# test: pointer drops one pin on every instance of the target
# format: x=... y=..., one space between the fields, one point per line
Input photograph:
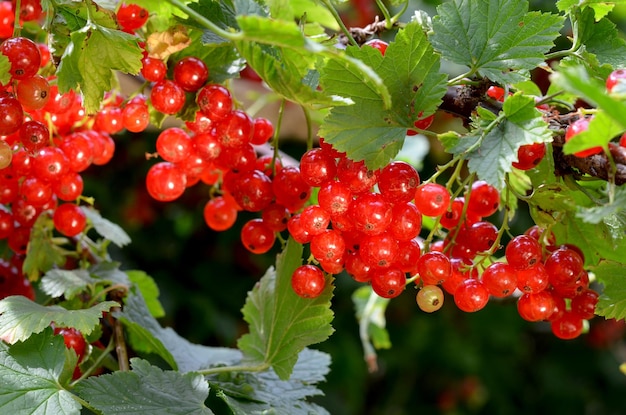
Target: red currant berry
x=533 y=279
x=564 y=266
x=11 y=115
x=136 y=117
x=471 y=295
x=406 y=222
x=173 y=144
x=568 y=326
x=388 y=283
x=484 y=199
x=165 y=181
x=499 y=279
x=308 y=281
x=317 y=167
x=328 y=246
x=529 y=156
x=535 y=306
x=523 y=252
x=378 y=44
x=262 y=132
x=236 y=129
x=356 y=175
x=153 y=69
x=190 y=73
x=335 y=198
x=276 y=217
x=616 y=77
x=33 y=93
x=398 y=181
x=214 y=101
x=219 y=214
x=379 y=251
x=577 y=127
x=24 y=56
x=257 y=237
x=434 y=268
x=69 y=219
x=167 y=97
x=73 y=340
x=584 y=304
x=432 y=199
x=131 y=17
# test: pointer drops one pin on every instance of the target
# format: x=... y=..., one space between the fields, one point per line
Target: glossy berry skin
x=73 y=340
x=577 y=127
x=214 y=101
x=34 y=92
x=529 y=156
x=173 y=144
x=11 y=115
x=429 y=298
x=317 y=167
x=153 y=69
x=616 y=77
x=69 y=219
x=388 y=283
x=263 y=131
x=24 y=56
x=533 y=279
x=190 y=73
x=471 y=295
x=406 y=222
x=236 y=129
x=165 y=181
x=379 y=251
x=584 y=304
x=308 y=281
x=432 y=199
x=50 y=163
x=328 y=246
x=378 y=44
x=564 y=266
x=131 y=17
x=34 y=135
x=398 y=181
x=219 y=214
x=568 y=326
x=167 y=97
x=523 y=252
x=356 y=175
x=335 y=198
x=257 y=237
x=535 y=306
x=484 y=199
x=371 y=213
x=499 y=279
x=434 y=268
x=252 y=190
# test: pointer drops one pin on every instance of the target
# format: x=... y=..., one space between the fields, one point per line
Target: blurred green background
x=489 y=362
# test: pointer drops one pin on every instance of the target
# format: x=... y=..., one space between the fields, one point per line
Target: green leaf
x=146 y=389
x=602 y=129
x=603 y=40
x=498 y=39
x=258 y=393
x=281 y=323
x=106 y=228
x=314 y=12
x=162 y=14
x=68 y=283
x=32 y=375
x=600 y=7
x=522 y=124
x=21 y=317
x=370 y=129
x=149 y=290
x=43 y=251
x=5 y=68
x=576 y=80
x=282 y=56
x=612 y=302
x=92 y=44
x=147 y=336
x=610 y=211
